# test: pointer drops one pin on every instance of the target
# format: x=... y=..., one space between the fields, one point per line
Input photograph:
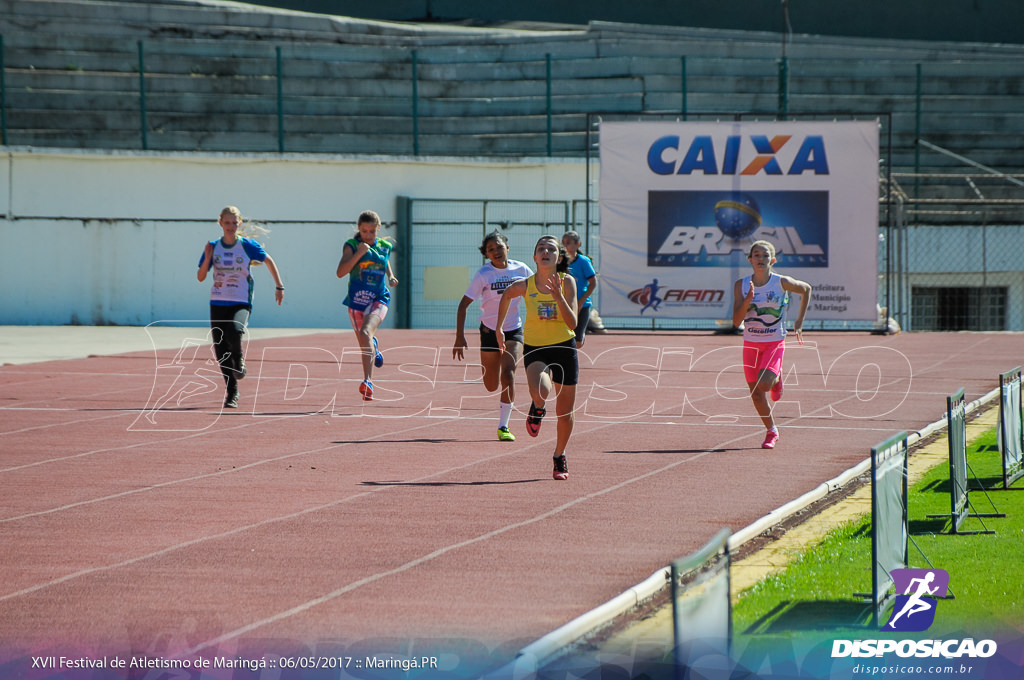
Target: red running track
x=140 y=519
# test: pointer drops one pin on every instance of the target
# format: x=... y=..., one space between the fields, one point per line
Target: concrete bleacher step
x=211 y=81
x=155 y=18
x=160 y=19
x=798 y=46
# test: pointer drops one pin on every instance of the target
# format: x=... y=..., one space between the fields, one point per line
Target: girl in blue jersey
x=759 y=303
x=231 y=295
x=366 y=261
x=582 y=269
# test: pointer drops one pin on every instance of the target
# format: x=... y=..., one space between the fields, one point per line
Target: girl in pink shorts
x=759 y=303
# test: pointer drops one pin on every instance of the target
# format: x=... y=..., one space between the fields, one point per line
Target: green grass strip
x=816 y=591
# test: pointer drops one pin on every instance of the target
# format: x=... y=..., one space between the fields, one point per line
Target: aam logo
x=914 y=610
x=652 y=295
x=665 y=156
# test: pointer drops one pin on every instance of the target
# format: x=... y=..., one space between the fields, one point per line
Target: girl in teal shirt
x=366 y=261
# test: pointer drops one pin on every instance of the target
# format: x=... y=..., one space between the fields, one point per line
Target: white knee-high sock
x=504 y=413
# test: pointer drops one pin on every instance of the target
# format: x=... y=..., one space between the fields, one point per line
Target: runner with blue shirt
x=230 y=257
x=366 y=261
x=582 y=270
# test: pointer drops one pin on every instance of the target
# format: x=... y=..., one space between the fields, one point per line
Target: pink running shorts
x=378 y=308
x=758 y=356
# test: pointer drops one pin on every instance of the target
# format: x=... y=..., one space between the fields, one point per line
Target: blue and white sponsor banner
x=681 y=202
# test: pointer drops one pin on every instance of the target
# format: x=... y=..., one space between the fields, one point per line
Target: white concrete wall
x=114 y=237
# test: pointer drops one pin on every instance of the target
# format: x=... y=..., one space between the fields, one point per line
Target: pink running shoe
x=777 y=389
x=561 y=468
x=533 y=419
x=770 y=439
x=366 y=389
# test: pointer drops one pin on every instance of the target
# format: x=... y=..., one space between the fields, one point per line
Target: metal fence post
x=142 y=96
x=403 y=229
x=415 y=108
x=683 y=87
x=783 y=88
x=917 y=135
x=3 y=94
x=548 y=100
x=280 y=104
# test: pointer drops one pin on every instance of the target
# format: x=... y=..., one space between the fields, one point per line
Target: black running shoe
x=561 y=468
x=533 y=419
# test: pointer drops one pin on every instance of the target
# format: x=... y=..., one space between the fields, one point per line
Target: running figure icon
x=651 y=293
x=916 y=602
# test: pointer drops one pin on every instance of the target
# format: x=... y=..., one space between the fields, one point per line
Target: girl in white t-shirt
x=759 y=303
x=490 y=281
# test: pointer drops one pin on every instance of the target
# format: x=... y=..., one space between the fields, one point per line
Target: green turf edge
x=816 y=592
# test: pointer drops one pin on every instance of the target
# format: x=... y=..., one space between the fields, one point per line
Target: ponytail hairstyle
x=563 y=259
x=246 y=228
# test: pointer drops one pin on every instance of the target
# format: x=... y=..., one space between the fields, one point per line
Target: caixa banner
x=681 y=204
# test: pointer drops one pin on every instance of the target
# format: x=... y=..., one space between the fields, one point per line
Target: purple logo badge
x=914 y=610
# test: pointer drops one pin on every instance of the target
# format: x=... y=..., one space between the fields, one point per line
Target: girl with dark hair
x=549 y=347
x=499 y=366
x=582 y=269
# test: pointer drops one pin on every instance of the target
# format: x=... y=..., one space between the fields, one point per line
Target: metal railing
x=317 y=98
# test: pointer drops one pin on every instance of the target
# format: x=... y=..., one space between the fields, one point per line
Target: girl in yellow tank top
x=549 y=347
x=544 y=325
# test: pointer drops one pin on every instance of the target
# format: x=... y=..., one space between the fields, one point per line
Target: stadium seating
x=351 y=86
